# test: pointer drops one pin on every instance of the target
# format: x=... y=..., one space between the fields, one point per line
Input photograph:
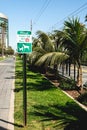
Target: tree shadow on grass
x=40 y=84
x=7 y=122
x=19 y=75
x=69 y=116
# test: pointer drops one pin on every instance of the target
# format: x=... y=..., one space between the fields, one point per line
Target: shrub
x=83 y=98
x=67 y=84
x=85 y=85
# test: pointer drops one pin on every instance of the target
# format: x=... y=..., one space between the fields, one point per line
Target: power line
x=43 y=8
x=80 y=10
x=77 y=11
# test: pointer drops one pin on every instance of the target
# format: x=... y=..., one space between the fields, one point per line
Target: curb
x=81 y=105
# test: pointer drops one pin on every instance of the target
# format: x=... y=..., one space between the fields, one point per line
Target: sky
x=46 y=15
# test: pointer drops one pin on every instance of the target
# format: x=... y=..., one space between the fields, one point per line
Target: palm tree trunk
x=74 y=71
x=79 y=77
x=66 y=68
x=69 y=68
x=63 y=69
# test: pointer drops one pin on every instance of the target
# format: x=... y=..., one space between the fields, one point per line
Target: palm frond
x=52 y=58
x=47 y=42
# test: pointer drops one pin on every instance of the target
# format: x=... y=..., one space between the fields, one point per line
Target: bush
x=85 y=85
x=67 y=84
x=83 y=98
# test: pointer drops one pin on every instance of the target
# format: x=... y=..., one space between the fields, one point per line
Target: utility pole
x=31 y=26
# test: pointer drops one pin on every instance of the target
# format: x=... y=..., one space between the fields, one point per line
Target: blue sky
x=46 y=15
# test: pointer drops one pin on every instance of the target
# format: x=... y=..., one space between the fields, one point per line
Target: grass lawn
x=2 y=58
x=48 y=108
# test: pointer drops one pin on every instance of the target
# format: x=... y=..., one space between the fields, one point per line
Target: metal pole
x=24 y=90
x=31 y=26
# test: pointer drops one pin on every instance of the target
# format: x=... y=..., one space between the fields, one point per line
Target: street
x=84 y=73
x=7 y=76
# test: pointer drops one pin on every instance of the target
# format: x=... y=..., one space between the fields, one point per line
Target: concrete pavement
x=7 y=78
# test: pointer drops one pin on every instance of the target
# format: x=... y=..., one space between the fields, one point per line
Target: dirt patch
x=75 y=93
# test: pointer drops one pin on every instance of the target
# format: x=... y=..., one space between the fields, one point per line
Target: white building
x=4 y=32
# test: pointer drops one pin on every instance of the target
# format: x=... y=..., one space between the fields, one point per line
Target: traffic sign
x=24 y=47
x=24 y=42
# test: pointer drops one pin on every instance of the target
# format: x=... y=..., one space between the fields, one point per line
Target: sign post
x=24 y=46
x=24 y=91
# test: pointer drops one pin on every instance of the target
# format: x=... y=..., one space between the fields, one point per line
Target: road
x=84 y=73
x=7 y=77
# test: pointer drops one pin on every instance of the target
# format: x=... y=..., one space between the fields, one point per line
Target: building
x=4 y=32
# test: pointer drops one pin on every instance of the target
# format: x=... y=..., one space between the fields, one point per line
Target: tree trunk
x=79 y=77
x=74 y=71
x=66 y=68
x=69 y=68
x=63 y=69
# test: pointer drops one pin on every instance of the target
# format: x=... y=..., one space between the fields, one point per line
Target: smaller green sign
x=24 y=32
x=24 y=48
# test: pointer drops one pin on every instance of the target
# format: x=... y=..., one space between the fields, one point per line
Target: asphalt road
x=84 y=73
x=7 y=77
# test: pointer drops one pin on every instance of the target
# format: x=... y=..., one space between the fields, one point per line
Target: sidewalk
x=7 y=78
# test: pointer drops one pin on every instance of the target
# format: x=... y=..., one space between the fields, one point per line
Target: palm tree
x=47 y=52
x=39 y=48
x=76 y=42
x=86 y=18
x=58 y=38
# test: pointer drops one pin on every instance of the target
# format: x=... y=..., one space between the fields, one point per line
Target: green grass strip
x=48 y=108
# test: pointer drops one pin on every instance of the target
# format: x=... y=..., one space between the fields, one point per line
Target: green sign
x=24 y=47
x=24 y=32
x=24 y=42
